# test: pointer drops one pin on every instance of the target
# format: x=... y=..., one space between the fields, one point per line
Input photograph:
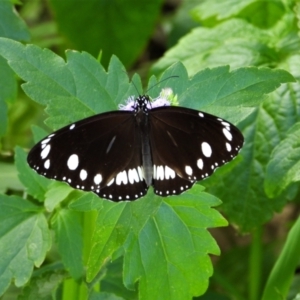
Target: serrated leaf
x=68 y=235
x=107 y=29
x=173 y=237
x=11 y=25
x=24 y=240
x=246 y=202
x=284 y=165
x=35 y=184
x=233 y=42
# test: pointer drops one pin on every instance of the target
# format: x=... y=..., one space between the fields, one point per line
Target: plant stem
x=255 y=264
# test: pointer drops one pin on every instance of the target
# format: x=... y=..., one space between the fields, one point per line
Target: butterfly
x=119 y=154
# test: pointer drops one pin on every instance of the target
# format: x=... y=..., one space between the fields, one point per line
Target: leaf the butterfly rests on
x=119 y=154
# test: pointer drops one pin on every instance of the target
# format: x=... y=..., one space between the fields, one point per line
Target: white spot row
x=163 y=172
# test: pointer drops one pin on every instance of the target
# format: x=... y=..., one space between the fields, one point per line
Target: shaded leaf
x=24 y=240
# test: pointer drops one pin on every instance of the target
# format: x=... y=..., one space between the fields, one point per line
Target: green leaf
x=107 y=32
x=9 y=178
x=24 y=240
x=284 y=165
x=113 y=280
x=68 y=234
x=263 y=14
x=44 y=282
x=63 y=86
x=8 y=92
x=173 y=237
x=85 y=201
x=283 y=272
x=11 y=25
x=58 y=191
x=246 y=203
x=35 y=184
x=234 y=42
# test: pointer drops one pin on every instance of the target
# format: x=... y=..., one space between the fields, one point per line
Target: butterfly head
x=142 y=103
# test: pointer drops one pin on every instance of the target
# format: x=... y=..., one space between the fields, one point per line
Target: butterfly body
x=119 y=154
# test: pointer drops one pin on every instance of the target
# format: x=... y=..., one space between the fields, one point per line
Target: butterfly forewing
x=100 y=154
x=187 y=146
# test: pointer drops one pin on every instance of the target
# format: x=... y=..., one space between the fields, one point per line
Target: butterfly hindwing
x=91 y=155
x=187 y=146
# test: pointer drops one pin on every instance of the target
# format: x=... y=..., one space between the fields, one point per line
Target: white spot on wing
x=140 y=171
x=83 y=174
x=72 y=126
x=169 y=173
x=160 y=172
x=228 y=147
x=47 y=164
x=121 y=178
x=133 y=176
x=73 y=162
x=206 y=149
x=227 y=134
x=188 y=170
x=45 y=152
x=200 y=163
x=45 y=141
x=201 y=114
x=98 y=178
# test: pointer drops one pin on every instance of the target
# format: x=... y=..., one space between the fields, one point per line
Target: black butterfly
x=119 y=154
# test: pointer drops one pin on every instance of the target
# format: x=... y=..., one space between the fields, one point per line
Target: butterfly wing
x=187 y=146
x=100 y=154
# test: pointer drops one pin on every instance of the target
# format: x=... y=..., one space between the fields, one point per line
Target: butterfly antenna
x=174 y=76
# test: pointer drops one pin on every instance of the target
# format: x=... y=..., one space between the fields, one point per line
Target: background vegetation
x=57 y=243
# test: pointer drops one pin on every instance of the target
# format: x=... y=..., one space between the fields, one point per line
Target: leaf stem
x=255 y=264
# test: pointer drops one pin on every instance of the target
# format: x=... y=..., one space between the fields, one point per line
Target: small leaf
x=284 y=165
x=24 y=240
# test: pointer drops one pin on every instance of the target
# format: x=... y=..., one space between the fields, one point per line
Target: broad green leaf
x=11 y=25
x=35 y=184
x=63 y=86
x=246 y=202
x=234 y=42
x=24 y=240
x=260 y=13
x=173 y=237
x=284 y=165
x=68 y=235
x=118 y=27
